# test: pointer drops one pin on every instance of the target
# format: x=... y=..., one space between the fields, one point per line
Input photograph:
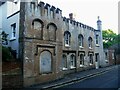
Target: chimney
x=71 y=16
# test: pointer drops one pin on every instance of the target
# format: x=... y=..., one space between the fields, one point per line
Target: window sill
x=106 y=61
x=90 y=48
x=72 y=67
x=81 y=65
x=66 y=45
x=91 y=64
x=81 y=47
x=12 y=38
x=97 y=45
x=64 y=69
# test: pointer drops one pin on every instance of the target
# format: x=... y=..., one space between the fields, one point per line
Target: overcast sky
x=87 y=11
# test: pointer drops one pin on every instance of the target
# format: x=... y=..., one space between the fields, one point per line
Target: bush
x=6 y=54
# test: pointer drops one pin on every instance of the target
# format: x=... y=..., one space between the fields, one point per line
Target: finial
x=98 y=17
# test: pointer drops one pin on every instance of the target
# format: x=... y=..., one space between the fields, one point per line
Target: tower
x=99 y=24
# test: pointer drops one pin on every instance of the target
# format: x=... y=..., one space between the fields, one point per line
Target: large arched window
x=38 y=27
x=64 y=58
x=67 y=36
x=80 y=40
x=72 y=61
x=90 y=42
x=45 y=62
x=52 y=31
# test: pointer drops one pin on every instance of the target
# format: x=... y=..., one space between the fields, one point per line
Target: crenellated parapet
x=77 y=24
x=52 y=12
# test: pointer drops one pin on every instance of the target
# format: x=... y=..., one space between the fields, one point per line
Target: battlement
x=52 y=11
x=46 y=8
x=78 y=24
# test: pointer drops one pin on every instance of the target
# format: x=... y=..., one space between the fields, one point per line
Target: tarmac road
x=109 y=80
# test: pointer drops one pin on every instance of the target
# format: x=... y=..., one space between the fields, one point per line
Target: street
x=110 y=79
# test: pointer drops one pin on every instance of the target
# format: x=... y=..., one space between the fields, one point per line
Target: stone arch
x=38 y=25
x=67 y=38
x=38 y=20
x=52 y=31
x=81 y=40
x=90 y=42
x=45 y=63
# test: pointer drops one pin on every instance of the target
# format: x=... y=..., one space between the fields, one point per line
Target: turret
x=99 y=24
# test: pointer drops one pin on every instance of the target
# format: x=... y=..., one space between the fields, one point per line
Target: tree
x=109 y=38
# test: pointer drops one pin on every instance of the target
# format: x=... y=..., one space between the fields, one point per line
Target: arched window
x=90 y=42
x=37 y=24
x=67 y=36
x=38 y=27
x=45 y=62
x=81 y=59
x=52 y=31
x=80 y=40
x=64 y=61
x=91 y=59
x=72 y=60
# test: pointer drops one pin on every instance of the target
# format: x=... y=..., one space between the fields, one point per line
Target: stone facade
x=52 y=46
x=110 y=56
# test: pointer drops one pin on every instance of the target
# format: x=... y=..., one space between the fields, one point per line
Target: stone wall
x=44 y=44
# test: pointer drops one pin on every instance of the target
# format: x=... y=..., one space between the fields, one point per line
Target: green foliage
x=6 y=54
x=109 y=38
x=4 y=38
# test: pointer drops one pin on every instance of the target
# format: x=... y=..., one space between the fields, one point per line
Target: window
x=72 y=61
x=97 y=39
x=64 y=62
x=91 y=59
x=90 y=42
x=67 y=38
x=52 y=31
x=81 y=60
x=13 y=26
x=112 y=55
x=45 y=62
x=96 y=57
x=38 y=25
x=106 y=56
x=80 y=40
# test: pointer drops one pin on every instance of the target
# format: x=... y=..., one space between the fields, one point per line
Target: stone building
x=52 y=46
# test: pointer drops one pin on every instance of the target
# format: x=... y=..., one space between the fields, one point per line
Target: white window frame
x=67 y=39
x=13 y=29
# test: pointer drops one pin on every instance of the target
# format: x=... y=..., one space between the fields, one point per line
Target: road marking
x=77 y=80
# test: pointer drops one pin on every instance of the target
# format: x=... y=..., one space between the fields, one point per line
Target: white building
x=9 y=22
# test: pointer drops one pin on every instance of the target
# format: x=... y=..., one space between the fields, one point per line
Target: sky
x=87 y=11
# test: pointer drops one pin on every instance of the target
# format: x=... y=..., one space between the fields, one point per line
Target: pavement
x=71 y=78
